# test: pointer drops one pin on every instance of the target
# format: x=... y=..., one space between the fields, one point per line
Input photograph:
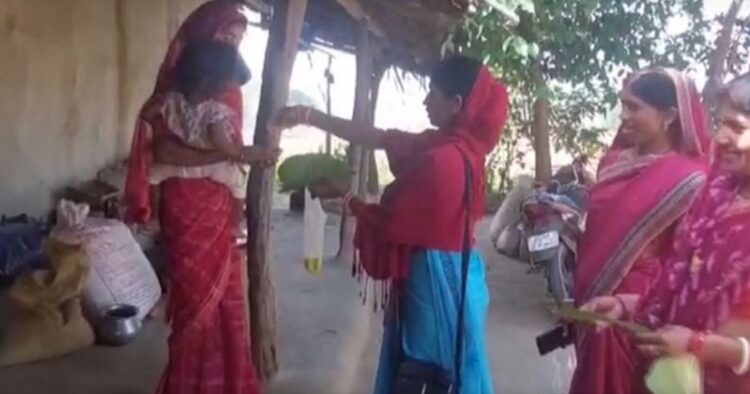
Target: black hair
x=656 y=89
x=455 y=75
x=212 y=63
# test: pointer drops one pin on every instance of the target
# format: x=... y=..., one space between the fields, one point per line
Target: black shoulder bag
x=419 y=377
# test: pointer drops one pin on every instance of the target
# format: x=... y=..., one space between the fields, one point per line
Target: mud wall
x=73 y=74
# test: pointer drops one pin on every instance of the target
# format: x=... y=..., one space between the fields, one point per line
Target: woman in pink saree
x=209 y=343
x=645 y=184
x=700 y=303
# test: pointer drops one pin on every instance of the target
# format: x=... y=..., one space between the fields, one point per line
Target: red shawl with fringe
x=423 y=208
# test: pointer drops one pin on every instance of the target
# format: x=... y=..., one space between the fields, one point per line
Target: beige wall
x=73 y=74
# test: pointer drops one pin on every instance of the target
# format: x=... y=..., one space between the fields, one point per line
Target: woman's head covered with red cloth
x=654 y=85
x=424 y=207
x=216 y=20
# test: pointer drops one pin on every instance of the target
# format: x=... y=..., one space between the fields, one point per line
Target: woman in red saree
x=646 y=182
x=700 y=303
x=209 y=344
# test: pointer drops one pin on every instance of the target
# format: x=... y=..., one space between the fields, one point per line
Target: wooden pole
x=329 y=82
x=283 y=37
x=540 y=131
x=361 y=113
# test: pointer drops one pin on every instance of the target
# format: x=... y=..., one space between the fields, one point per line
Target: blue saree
x=429 y=301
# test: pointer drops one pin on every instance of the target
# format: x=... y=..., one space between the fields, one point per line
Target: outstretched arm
x=247 y=154
x=355 y=132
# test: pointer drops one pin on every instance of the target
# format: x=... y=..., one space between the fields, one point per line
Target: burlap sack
x=45 y=317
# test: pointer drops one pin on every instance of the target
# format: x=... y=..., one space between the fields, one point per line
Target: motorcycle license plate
x=544 y=241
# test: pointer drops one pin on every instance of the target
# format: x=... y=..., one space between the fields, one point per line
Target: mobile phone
x=559 y=337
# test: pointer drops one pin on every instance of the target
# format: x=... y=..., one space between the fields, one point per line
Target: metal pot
x=118 y=325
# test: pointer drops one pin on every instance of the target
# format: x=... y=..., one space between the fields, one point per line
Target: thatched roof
x=412 y=32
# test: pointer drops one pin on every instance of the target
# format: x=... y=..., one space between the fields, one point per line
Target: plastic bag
x=314 y=234
x=21 y=247
x=675 y=375
x=71 y=215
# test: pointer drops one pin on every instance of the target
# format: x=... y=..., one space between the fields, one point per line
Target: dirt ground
x=328 y=339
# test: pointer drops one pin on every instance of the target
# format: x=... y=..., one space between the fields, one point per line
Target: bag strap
x=465 y=256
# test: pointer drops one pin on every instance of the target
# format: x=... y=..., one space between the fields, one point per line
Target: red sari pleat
x=209 y=346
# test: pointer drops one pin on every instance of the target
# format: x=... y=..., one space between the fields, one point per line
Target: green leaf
x=520 y=47
x=533 y=50
x=297 y=172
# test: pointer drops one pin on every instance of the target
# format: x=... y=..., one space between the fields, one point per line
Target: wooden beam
x=283 y=37
x=362 y=107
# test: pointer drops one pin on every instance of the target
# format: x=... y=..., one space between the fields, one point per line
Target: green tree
x=564 y=58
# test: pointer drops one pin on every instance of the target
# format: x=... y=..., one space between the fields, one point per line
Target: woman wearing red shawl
x=414 y=237
x=645 y=184
x=700 y=303
x=209 y=344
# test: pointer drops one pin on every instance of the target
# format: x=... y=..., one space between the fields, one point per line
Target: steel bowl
x=118 y=325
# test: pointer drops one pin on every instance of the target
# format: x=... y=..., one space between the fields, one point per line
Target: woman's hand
x=289 y=117
x=668 y=341
x=265 y=157
x=609 y=306
x=326 y=189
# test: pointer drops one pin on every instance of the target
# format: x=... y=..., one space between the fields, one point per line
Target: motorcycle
x=553 y=221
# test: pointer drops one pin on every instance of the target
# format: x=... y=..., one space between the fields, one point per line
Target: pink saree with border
x=634 y=207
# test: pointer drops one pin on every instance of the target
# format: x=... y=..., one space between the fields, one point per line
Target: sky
x=397 y=108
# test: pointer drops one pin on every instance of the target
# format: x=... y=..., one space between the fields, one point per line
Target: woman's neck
x=658 y=148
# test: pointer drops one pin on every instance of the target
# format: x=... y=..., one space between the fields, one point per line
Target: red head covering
x=205 y=23
x=423 y=207
x=694 y=137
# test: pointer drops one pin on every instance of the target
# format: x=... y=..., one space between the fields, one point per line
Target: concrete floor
x=329 y=341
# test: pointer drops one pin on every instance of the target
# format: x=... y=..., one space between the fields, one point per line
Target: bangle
x=697 y=342
x=745 y=363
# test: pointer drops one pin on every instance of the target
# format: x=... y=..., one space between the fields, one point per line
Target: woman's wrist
x=697 y=343
x=303 y=115
x=727 y=351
